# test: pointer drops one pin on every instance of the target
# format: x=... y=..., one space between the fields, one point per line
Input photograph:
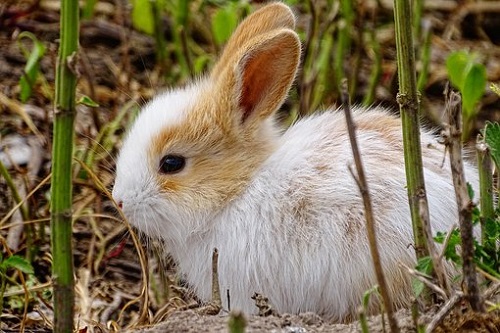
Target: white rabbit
x=205 y=167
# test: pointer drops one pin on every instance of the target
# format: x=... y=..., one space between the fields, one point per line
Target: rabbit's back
x=297 y=234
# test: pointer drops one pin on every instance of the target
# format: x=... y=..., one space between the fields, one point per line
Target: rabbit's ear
x=271 y=17
x=264 y=73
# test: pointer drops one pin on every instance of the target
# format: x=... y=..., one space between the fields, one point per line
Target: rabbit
x=206 y=166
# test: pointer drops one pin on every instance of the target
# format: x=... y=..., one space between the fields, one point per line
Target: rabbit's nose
x=120 y=204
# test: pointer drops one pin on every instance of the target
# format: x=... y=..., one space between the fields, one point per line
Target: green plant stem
x=362 y=321
x=376 y=69
x=409 y=107
x=15 y=194
x=486 y=201
x=61 y=185
x=359 y=42
x=418 y=7
x=425 y=55
x=160 y=43
x=345 y=27
x=88 y=9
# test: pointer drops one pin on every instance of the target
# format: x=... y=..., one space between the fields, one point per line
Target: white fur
x=283 y=210
x=133 y=172
x=303 y=260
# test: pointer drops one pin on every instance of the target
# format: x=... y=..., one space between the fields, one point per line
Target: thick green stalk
x=409 y=108
x=61 y=186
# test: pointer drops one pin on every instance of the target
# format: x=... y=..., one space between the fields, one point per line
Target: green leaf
x=417 y=286
x=224 y=23
x=450 y=252
x=492 y=229
x=470 y=191
x=492 y=138
x=86 y=100
x=474 y=87
x=142 y=16
x=424 y=265
x=456 y=64
x=32 y=67
x=18 y=263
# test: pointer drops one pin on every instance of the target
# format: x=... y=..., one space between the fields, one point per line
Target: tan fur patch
x=219 y=161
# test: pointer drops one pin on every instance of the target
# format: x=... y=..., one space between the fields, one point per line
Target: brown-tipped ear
x=265 y=72
x=270 y=17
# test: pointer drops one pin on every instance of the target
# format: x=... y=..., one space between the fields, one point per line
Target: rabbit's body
x=305 y=246
x=205 y=167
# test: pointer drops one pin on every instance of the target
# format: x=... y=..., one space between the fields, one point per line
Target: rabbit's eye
x=172 y=163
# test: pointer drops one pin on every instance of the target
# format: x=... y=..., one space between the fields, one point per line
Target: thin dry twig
x=215 y=279
x=492 y=291
x=370 y=221
x=443 y=312
x=426 y=280
x=215 y=305
x=464 y=202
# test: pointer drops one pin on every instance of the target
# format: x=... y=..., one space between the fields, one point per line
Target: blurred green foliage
x=468 y=75
x=32 y=67
x=11 y=262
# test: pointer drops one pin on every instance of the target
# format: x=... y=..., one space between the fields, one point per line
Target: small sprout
x=32 y=68
x=12 y=262
x=237 y=322
x=87 y=101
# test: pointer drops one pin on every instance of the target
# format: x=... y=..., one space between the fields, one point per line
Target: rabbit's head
x=193 y=149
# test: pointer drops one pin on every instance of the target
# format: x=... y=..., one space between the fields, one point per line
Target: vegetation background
x=131 y=49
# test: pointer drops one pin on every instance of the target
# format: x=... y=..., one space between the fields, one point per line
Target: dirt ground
x=190 y=322
x=117 y=70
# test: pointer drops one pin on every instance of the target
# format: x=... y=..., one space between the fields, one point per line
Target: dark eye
x=172 y=163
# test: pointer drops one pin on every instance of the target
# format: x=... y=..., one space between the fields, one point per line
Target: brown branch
x=370 y=221
x=464 y=203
